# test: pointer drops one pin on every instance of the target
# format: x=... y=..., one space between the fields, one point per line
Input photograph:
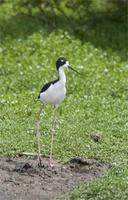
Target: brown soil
x=22 y=179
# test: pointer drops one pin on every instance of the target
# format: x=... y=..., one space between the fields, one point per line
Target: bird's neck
x=62 y=77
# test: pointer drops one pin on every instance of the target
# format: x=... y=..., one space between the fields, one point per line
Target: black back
x=60 y=62
x=46 y=86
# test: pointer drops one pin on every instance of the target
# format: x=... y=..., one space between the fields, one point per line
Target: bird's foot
x=39 y=161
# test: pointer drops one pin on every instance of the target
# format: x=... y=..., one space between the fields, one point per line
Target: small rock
x=96 y=136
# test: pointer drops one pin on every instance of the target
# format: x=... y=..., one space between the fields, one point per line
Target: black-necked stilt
x=53 y=93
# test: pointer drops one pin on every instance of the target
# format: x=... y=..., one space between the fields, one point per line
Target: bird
x=53 y=93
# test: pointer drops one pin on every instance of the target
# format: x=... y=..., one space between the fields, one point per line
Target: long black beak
x=74 y=70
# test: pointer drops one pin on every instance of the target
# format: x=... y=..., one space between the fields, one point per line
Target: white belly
x=54 y=95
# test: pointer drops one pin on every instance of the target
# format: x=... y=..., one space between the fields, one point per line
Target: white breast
x=54 y=94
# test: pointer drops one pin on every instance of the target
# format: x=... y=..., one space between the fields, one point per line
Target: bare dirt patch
x=22 y=179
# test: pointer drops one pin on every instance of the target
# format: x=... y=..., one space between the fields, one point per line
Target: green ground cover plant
x=97 y=47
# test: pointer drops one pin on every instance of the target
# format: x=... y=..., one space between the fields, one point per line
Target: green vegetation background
x=93 y=35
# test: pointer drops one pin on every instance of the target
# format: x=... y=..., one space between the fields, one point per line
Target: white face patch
x=66 y=65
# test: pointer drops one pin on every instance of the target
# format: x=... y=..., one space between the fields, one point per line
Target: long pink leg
x=52 y=134
x=38 y=135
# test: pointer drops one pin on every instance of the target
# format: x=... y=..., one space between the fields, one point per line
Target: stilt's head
x=64 y=63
